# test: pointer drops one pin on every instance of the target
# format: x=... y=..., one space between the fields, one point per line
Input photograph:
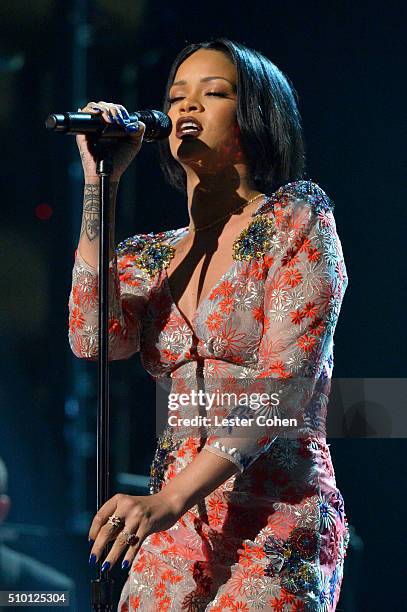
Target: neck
x=212 y=197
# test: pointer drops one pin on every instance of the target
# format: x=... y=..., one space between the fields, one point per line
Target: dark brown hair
x=267 y=115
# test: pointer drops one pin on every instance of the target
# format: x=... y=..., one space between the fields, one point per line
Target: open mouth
x=188 y=127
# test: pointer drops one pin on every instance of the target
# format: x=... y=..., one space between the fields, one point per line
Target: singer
x=248 y=293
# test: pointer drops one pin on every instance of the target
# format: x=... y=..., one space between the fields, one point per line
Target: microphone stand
x=102 y=587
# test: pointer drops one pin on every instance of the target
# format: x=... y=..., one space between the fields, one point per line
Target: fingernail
x=90 y=541
x=122 y=115
x=125 y=564
x=132 y=127
x=105 y=566
x=121 y=120
x=92 y=559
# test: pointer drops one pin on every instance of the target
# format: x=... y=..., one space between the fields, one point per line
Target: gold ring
x=114 y=520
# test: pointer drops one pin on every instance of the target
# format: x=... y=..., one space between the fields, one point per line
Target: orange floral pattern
x=273 y=536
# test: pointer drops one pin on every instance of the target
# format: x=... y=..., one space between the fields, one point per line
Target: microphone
x=158 y=124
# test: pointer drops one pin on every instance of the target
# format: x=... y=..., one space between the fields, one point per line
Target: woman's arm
x=303 y=291
x=126 y=299
x=88 y=246
x=144 y=515
x=197 y=480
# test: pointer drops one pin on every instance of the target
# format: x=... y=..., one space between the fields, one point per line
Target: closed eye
x=210 y=93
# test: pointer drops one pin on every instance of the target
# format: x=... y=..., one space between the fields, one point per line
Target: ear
x=5 y=503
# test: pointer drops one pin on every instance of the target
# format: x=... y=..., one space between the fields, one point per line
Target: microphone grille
x=158 y=124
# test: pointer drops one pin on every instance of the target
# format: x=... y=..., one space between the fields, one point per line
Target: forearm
x=90 y=229
x=202 y=476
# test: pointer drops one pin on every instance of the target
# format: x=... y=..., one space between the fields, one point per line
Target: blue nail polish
x=92 y=559
x=125 y=564
x=90 y=541
x=105 y=566
x=132 y=127
x=120 y=120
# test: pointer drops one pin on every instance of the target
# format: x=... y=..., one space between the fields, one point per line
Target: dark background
x=346 y=63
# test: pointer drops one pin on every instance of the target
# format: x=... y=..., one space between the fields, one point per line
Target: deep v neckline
x=191 y=322
x=180 y=233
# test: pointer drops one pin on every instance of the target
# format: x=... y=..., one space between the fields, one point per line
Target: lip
x=178 y=127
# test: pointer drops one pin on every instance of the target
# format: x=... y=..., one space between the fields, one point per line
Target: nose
x=190 y=103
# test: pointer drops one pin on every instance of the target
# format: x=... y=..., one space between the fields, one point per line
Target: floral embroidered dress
x=274 y=535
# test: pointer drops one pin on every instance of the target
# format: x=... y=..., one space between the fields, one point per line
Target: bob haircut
x=267 y=115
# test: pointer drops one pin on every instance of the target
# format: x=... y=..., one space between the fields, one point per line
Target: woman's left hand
x=141 y=516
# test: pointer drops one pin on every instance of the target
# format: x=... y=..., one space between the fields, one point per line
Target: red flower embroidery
x=128 y=279
x=214 y=321
x=258 y=313
x=76 y=320
x=297 y=316
x=134 y=602
x=292 y=277
x=306 y=342
x=159 y=590
x=226 y=305
x=277 y=604
x=164 y=604
x=313 y=254
x=310 y=310
x=240 y=605
x=317 y=327
x=278 y=367
x=115 y=327
x=76 y=294
x=258 y=269
x=290 y=258
x=226 y=600
x=169 y=355
x=268 y=260
x=286 y=597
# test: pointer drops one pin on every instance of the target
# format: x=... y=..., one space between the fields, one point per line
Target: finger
x=121 y=544
x=91 y=107
x=134 y=549
x=118 y=116
x=124 y=112
x=103 y=108
x=106 y=534
x=102 y=516
x=136 y=130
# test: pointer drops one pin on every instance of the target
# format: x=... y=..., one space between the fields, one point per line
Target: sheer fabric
x=274 y=536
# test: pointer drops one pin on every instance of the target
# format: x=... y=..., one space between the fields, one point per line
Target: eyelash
x=210 y=93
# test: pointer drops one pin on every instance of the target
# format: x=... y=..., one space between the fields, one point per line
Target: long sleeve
x=303 y=291
x=129 y=288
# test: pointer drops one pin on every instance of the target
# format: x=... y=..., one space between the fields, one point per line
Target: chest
x=195 y=270
x=225 y=329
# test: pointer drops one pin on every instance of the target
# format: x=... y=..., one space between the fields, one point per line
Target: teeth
x=189 y=125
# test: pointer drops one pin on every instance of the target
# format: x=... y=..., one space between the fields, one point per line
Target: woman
x=247 y=294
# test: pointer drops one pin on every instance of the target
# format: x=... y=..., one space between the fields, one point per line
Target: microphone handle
x=88 y=123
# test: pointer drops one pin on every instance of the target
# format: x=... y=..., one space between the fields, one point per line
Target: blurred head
x=4 y=499
x=248 y=114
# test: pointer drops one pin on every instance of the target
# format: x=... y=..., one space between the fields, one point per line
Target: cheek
x=236 y=144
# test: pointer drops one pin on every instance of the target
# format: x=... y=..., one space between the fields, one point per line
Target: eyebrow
x=204 y=80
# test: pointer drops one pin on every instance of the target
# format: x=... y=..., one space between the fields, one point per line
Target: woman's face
x=203 y=99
